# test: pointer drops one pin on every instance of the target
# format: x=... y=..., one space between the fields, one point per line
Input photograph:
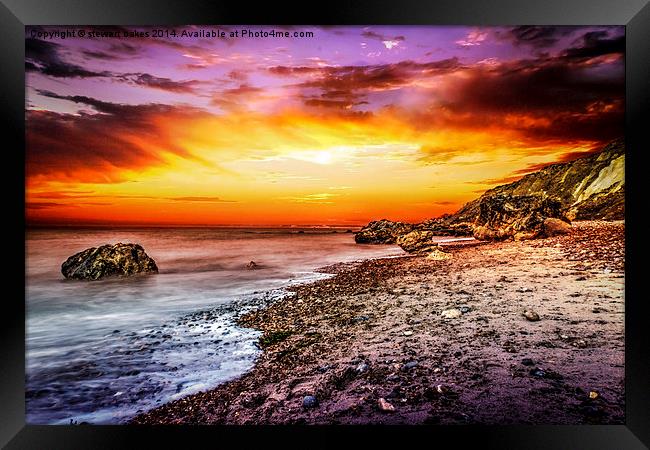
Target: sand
x=372 y=344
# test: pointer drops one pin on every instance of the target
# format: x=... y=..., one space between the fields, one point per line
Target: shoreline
x=374 y=334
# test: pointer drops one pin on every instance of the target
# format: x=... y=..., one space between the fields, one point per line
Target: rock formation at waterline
x=108 y=260
x=540 y=204
x=382 y=232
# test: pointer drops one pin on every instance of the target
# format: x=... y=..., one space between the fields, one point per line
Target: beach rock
x=452 y=313
x=108 y=260
x=438 y=255
x=361 y=367
x=531 y=316
x=384 y=405
x=252 y=265
x=417 y=241
x=382 y=232
x=309 y=401
x=504 y=216
x=554 y=227
x=409 y=365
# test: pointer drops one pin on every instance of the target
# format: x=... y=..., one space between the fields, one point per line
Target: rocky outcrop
x=417 y=241
x=588 y=188
x=108 y=260
x=539 y=204
x=504 y=216
x=382 y=232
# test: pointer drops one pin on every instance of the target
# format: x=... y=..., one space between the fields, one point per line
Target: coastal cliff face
x=539 y=204
x=589 y=188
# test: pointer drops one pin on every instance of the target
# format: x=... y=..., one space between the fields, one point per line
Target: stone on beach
x=531 y=316
x=452 y=313
x=309 y=401
x=417 y=241
x=384 y=405
x=554 y=227
x=438 y=255
x=108 y=260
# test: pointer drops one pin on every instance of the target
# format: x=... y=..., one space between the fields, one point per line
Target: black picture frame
x=15 y=14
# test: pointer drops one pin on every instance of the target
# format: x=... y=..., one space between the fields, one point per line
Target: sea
x=103 y=351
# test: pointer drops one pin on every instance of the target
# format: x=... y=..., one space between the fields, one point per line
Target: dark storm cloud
x=42 y=56
x=352 y=83
x=381 y=37
x=117 y=51
x=537 y=36
x=161 y=83
x=95 y=147
x=596 y=43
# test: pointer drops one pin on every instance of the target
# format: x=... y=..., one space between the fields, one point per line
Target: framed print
x=413 y=217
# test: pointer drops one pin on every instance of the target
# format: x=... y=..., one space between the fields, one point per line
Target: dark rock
x=527 y=362
x=309 y=401
x=360 y=319
x=536 y=372
x=252 y=265
x=108 y=260
x=409 y=365
x=504 y=216
x=382 y=232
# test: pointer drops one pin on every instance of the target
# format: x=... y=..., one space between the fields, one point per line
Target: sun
x=322 y=157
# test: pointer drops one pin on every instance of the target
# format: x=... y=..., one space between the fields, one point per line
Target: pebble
x=309 y=401
x=464 y=309
x=408 y=333
x=361 y=367
x=323 y=369
x=593 y=395
x=531 y=316
x=537 y=372
x=451 y=313
x=524 y=289
x=384 y=405
x=527 y=362
x=409 y=365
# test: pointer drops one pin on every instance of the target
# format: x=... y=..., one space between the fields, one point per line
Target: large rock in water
x=382 y=232
x=108 y=260
x=505 y=216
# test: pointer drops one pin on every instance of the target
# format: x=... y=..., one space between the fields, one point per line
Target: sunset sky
x=351 y=125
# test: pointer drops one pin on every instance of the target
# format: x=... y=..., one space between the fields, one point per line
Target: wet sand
x=372 y=346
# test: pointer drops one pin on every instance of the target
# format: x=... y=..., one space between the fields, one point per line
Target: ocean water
x=102 y=351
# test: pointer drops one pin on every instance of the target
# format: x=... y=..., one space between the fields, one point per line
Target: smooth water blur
x=101 y=351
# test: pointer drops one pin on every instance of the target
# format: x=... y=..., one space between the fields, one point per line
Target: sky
x=340 y=127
